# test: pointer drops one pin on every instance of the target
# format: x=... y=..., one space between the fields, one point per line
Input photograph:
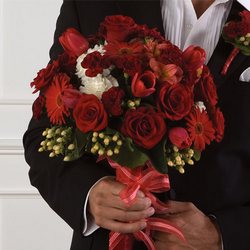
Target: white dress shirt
x=183 y=28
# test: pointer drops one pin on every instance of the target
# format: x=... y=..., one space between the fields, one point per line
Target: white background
x=26 y=34
x=246 y=3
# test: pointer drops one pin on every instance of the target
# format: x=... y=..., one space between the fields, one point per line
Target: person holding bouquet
x=210 y=203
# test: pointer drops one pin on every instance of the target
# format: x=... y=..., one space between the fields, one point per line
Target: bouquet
x=127 y=95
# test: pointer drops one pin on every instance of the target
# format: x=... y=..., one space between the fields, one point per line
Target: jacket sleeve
x=234 y=225
x=64 y=186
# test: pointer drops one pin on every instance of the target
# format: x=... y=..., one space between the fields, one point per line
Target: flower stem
x=229 y=60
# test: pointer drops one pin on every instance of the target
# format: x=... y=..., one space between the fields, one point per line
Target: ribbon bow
x=148 y=180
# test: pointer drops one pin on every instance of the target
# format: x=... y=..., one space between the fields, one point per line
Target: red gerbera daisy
x=200 y=128
x=54 y=103
x=122 y=49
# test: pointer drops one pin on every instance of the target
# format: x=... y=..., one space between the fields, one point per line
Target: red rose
x=144 y=126
x=143 y=85
x=45 y=76
x=179 y=137
x=70 y=97
x=175 y=101
x=205 y=89
x=73 y=42
x=218 y=123
x=117 y=27
x=112 y=101
x=38 y=106
x=89 y=114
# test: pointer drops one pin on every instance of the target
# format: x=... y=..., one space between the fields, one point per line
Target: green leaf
x=197 y=155
x=130 y=156
x=80 y=141
x=157 y=156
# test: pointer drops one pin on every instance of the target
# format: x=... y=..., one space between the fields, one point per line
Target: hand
x=110 y=212
x=200 y=232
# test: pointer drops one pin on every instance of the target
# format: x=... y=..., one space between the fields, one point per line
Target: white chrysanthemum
x=201 y=106
x=95 y=85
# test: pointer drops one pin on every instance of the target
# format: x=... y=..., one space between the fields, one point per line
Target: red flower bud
x=73 y=42
x=143 y=85
x=179 y=137
x=70 y=97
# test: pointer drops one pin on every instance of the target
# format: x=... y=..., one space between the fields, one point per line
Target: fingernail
x=140 y=194
x=148 y=201
x=143 y=224
x=151 y=211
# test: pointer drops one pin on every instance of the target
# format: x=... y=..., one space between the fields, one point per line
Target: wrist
x=215 y=233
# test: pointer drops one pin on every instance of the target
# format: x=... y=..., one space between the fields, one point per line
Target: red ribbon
x=118 y=241
x=148 y=180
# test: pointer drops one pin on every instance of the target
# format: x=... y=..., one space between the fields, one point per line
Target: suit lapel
x=223 y=50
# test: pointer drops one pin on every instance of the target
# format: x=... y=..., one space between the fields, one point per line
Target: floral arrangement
x=128 y=95
x=237 y=33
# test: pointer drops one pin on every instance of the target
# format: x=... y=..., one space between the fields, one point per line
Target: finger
x=175 y=207
x=121 y=227
x=127 y=216
x=116 y=202
x=117 y=187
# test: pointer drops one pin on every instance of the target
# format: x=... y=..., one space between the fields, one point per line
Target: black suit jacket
x=218 y=185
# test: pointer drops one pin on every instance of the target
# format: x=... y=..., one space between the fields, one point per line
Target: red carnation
x=142 y=31
x=112 y=101
x=130 y=65
x=167 y=53
x=67 y=63
x=93 y=63
x=89 y=114
x=231 y=30
x=143 y=85
x=55 y=106
x=144 y=126
x=73 y=42
x=179 y=137
x=38 y=106
x=175 y=101
x=116 y=27
x=245 y=15
x=44 y=76
x=200 y=128
x=219 y=124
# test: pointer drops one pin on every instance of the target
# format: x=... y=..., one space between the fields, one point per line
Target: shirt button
x=189 y=26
